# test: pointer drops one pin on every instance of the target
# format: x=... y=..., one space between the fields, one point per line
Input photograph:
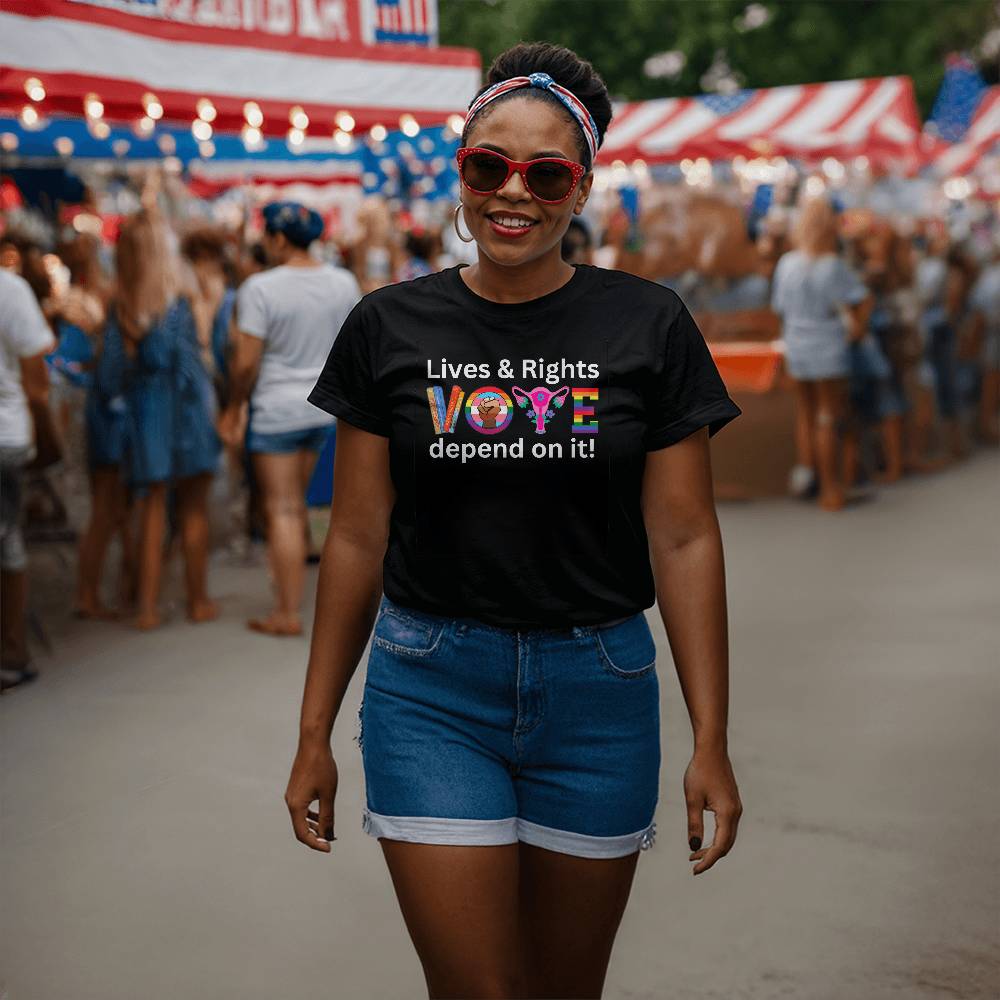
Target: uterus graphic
x=541 y=403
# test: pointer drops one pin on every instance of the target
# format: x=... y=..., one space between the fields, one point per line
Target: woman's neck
x=301 y=258
x=519 y=283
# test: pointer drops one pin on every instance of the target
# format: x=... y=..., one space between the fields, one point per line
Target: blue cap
x=299 y=224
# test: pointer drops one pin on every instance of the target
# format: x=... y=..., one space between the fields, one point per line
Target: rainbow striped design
x=444 y=417
x=582 y=414
x=454 y=408
x=435 y=396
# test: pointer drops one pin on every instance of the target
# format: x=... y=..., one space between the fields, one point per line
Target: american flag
x=957 y=99
x=411 y=22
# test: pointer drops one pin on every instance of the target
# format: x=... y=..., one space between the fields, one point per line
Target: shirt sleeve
x=688 y=392
x=348 y=385
x=251 y=311
x=26 y=330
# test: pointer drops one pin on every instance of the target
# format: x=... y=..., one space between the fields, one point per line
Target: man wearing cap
x=287 y=319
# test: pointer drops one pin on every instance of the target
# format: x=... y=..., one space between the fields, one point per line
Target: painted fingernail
x=694 y=843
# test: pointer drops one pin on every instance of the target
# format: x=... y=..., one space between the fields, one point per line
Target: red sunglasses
x=549 y=178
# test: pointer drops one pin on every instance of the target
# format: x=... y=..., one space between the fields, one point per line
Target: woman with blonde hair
x=171 y=438
x=824 y=308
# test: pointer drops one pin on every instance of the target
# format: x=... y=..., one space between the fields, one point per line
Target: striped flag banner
x=324 y=57
x=876 y=117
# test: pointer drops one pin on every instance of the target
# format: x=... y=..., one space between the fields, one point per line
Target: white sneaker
x=800 y=480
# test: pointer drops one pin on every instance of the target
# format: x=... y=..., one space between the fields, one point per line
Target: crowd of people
x=189 y=363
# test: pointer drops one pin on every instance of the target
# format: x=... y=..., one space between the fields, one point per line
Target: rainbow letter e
x=582 y=424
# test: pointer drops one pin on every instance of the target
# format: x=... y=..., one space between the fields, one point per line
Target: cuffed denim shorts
x=288 y=442
x=476 y=735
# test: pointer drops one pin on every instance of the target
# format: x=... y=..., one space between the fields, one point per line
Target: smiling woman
x=511 y=705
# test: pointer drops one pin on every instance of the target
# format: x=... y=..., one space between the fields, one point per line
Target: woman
x=824 y=308
x=170 y=408
x=287 y=319
x=517 y=437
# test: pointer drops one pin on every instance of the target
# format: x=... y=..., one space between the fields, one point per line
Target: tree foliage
x=804 y=41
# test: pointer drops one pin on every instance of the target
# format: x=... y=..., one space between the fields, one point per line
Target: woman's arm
x=686 y=551
x=347 y=601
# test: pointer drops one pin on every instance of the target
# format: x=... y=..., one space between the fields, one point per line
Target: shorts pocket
x=407 y=635
x=627 y=649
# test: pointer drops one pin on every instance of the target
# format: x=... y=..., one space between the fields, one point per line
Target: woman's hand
x=709 y=784
x=314 y=776
x=232 y=425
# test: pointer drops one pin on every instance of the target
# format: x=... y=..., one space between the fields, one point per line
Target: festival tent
x=877 y=118
x=307 y=67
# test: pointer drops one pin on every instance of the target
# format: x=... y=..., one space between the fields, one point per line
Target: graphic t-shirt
x=518 y=435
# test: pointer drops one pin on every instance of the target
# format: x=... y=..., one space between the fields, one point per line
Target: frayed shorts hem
x=495 y=832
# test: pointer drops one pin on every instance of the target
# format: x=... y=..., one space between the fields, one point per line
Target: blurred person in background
x=419 y=253
x=25 y=340
x=984 y=304
x=170 y=408
x=824 y=308
x=940 y=286
x=576 y=244
x=287 y=319
x=213 y=299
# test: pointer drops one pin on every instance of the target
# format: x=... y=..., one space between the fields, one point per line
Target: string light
x=144 y=126
x=8 y=142
x=298 y=118
x=154 y=109
x=345 y=121
x=120 y=147
x=206 y=110
x=29 y=116
x=34 y=89
x=99 y=129
x=409 y=125
x=206 y=149
x=342 y=139
x=64 y=145
x=93 y=106
x=296 y=137
x=201 y=130
x=252 y=136
x=378 y=133
x=253 y=114
x=456 y=123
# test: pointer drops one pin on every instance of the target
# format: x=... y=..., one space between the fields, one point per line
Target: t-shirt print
x=517 y=438
x=530 y=422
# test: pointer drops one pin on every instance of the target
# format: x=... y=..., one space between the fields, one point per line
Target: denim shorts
x=477 y=735
x=288 y=442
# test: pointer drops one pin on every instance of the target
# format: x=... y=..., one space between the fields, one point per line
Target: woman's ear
x=584 y=192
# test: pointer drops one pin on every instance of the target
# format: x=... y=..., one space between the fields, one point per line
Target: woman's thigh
x=460 y=906
x=570 y=911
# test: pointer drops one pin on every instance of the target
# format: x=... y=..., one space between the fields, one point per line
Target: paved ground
x=146 y=852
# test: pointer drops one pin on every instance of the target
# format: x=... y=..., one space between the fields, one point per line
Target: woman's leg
x=105 y=511
x=192 y=498
x=805 y=398
x=570 y=910
x=831 y=404
x=152 y=528
x=891 y=429
x=989 y=405
x=279 y=477
x=460 y=906
x=307 y=464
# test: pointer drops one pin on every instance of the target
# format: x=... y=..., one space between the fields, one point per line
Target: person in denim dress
x=522 y=470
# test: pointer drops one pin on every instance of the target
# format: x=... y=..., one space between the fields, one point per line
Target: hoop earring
x=458 y=232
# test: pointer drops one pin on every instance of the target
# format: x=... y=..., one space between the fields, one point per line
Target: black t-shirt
x=518 y=435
